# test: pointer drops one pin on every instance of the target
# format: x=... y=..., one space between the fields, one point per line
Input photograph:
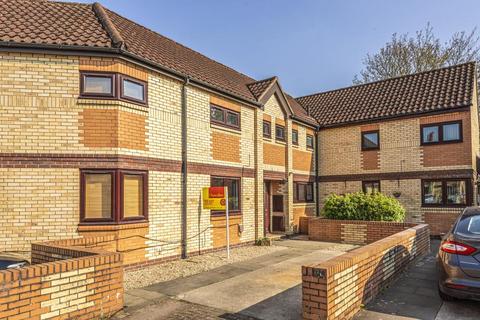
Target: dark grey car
x=459 y=258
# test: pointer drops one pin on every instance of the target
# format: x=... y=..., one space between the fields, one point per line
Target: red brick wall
x=337 y=288
x=64 y=282
x=440 y=222
x=352 y=232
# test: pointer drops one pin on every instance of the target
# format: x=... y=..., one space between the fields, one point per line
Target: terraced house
x=109 y=128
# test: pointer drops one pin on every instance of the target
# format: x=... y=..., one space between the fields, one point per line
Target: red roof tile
x=52 y=23
x=258 y=88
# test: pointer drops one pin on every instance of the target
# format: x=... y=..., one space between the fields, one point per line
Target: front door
x=266 y=207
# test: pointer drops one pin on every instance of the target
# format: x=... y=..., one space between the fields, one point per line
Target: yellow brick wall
x=41 y=113
x=400 y=148
x=37 y=205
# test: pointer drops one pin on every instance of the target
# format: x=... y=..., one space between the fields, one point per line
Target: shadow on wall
x=386 y=272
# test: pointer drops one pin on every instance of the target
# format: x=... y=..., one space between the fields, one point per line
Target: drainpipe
x=316 y=173
x=184 y=167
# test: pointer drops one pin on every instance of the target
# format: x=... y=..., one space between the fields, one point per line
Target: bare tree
x=405 y=54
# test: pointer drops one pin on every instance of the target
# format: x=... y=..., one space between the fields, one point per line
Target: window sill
x=223 y=215
x=440 y=206
x=427 y=144
x=225 y=128
x=111 y=226
x=138 y=103
x=282 y=142
x=89 y=101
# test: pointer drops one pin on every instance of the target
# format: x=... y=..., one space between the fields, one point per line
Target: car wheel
x=445 y=297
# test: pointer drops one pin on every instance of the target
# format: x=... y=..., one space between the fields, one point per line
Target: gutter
x=184 y=168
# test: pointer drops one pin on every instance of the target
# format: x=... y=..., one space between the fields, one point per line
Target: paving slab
x=272 y=292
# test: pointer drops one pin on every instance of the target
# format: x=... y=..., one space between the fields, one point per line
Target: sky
x=311 y=45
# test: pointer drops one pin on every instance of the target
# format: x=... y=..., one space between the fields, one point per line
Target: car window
x=469 y=226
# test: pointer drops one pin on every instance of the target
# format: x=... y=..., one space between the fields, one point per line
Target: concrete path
x=266 y=287
x=414 y=296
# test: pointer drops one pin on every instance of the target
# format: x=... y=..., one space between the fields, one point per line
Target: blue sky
x=310 y=45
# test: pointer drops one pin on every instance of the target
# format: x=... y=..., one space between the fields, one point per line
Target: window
x=371 y=186
x=370 y=140
x=302 y=192
x=279 y=132
x=233 y=185
x=309 y=141
x=113 y=196
x=277 y=203
x=224 y=117
x=132 y=196
x=132 y=89
x=445 y=193
x=97 y=84
x=447 y=132
x=295 y=137
x=469 y=226
x=267 y=129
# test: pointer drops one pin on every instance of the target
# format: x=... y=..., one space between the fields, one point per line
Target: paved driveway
x=414 y=296
x=269 y=287
x=266 y=287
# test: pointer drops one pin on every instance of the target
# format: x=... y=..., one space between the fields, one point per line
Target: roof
x=299 y=112
x=437 y=90
x=258 y=88
x=41 y=23
x=53 y=23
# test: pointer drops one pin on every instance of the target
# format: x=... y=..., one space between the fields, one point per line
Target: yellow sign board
x=214 y=198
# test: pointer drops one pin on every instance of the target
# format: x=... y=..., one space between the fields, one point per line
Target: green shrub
x=362 y=206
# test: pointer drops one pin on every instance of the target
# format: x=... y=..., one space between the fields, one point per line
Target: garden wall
x=67 y=280
x=352 y=231
x=336 y=288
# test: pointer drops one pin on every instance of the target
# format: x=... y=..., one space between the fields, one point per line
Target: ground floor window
x=113 y=196
x=446 y=192
x=371 y=186
x=233 y=185
x=303 y=192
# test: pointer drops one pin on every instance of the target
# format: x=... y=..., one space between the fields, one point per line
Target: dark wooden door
x=266 y=207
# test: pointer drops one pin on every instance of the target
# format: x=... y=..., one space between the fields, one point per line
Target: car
x=459 y=258
x=8 y=261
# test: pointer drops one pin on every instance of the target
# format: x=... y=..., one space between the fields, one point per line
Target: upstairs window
x=132 y=89
x=267 y=129
x=309 y=141
x=279 y=132
x=102 y=85
x=370 y=140
x=438 y=133
x=224 y=117
x=97 y=85
x=113 y=196
x=295 y=137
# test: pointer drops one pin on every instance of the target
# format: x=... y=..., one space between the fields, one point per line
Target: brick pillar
x=289 y=174
x=258 y=140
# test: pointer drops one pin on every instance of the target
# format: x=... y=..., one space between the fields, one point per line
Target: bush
x=362 y=206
